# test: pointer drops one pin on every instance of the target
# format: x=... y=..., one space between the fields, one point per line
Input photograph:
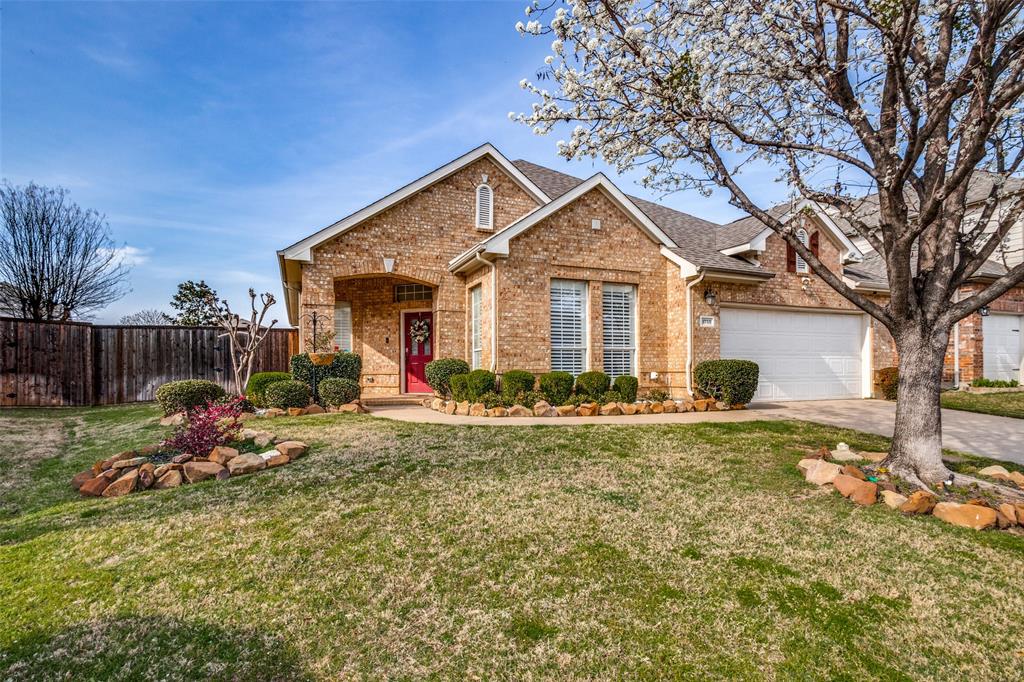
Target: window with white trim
x=568 y=326
x=476 y=326
x=484 y=207
x=618 y=308
x=801 y=264
x=343 y=326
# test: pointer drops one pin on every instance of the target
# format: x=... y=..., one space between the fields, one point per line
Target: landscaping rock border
x=588 y=409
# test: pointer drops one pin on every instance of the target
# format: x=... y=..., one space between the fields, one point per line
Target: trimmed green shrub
x=285 y=394
x=514 y=382
x=656 y=395
x=730 y=381
x=478 y=382
x=626 y=386
x=556 y=387
x=888 y=382
x=344 y=366
x=459 y=387
x=439 y=374
x=982 y=382
x=336 y=392
x=592 y=385
x=490 y=399
x=611 y=397
x=256 y=389
x=531 y=398
x=187 y=395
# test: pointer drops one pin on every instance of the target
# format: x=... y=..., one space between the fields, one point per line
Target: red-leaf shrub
x=208 y=427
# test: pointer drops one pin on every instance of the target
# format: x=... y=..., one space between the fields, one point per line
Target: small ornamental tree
x=912 y=103
x=245 y=336
x=208 y=427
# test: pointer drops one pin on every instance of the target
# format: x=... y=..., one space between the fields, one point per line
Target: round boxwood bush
x=730 y=381
x=285 y=394
x=187 y=395
x=337 y=392
x=515 y=382
x=888 y=382
x=491 y=399
x=478 y=382
x=556 y=387
x=592 y=385
x=439 y=374
x=256 y=389
x=626 y=386
x=459 y=387
x=344 y=366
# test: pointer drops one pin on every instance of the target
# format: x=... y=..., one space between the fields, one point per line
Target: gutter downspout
x=689 y=331
x=494 y=310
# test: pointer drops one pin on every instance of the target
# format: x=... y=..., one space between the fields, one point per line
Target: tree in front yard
x=57 y=259
x=915 y=101
x=244 y=336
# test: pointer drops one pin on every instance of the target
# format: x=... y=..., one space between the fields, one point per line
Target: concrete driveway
x=980 y=434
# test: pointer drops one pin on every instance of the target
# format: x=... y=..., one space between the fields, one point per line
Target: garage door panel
x=1002 y=346
x=801 y=356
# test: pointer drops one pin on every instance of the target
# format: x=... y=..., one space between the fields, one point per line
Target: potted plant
x=320 y=343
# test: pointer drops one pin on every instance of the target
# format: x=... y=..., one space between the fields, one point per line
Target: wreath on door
x=419 y=331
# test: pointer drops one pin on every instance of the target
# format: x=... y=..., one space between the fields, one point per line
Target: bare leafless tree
x=148 y=316
x=244 y=336
x=57 y=260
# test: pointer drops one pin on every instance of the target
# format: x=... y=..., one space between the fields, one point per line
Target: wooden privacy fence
x=74 y=363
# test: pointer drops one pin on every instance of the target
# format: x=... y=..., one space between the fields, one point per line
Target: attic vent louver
x=484 y=207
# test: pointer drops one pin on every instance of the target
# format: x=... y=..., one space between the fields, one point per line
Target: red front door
x=418 y=335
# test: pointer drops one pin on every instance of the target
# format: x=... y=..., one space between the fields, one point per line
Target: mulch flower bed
x=964 y=503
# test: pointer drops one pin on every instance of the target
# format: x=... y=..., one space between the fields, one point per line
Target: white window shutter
x=618 y=308
x=484 y=207
x=801 y=264
x=343 y=326
x=568 y=326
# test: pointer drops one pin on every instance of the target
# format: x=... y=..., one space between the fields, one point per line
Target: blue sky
x=213 y=134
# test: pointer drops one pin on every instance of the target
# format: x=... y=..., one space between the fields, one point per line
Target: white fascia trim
x=499 y=243
x=758 y=243
x=863 y=286
x=686 y=268
x=302 y=250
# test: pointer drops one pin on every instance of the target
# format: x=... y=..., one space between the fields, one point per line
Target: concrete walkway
x=981 y=434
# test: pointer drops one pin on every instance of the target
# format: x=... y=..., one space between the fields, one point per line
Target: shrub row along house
x=510 y=265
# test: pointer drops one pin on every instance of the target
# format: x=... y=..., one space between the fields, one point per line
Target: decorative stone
x=645 y=408
x=994 y=471
x=737 y=406
x=1010 y=512
x=293 y=448
x=863 y=493
x=111 y=474
x=629 y=408
x=919 y=502
x=805 y=464
x=147 y=475
x=724 y=407
x=296 y=411
x=176 y=419
x=80 y=478
x=701 y=405
x=94 y=487
x=669 y=406
x=543 y=409
x=171 y=479
x=277 y=460
x=519 y=411
x=966 y=515
x=657 y=408
x=498 y=411
x=850 y=470
x=246 y=464
x=314 y=409
x=588 y=409
x=274 y=412
x=462 y=408
x=874 y=456
x=477 y=410
x=353 y=408
x=263 y=439
x=437 y=404
x=182 y=458
x=822 y=453
x=124 y=485
x=164 y=468
x=200 y=471
x=222 y=454
x=1019 y=507
x=1018 y=478
x=893 y=499
x=610 y=410
x=843 y=453
x=821 y=473
x=426 y=402
x=688 y=406
x=450 y=407
x=126 y=463
x=566 y=410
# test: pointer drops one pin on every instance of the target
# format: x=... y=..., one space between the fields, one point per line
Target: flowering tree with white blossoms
x=911 y=99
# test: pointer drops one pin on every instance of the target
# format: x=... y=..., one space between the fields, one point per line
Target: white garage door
x=802 y=356
x=1002 y=346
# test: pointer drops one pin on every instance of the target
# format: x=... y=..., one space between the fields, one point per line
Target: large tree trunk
x=916 y=452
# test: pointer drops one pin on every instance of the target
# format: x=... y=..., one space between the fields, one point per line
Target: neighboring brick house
x=510 y=265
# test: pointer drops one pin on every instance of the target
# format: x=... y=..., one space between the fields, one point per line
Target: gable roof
x=301 y=250
x=749 y=233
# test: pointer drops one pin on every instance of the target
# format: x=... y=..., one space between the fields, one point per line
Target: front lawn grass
x=1001 y=404
x=410 y=551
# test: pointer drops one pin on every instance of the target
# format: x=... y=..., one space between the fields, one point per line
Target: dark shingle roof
x=697 y=239
x=871 y=271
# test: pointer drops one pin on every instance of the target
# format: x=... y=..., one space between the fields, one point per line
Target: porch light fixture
x=983 y=310
x=709 y=296
x=389 y=265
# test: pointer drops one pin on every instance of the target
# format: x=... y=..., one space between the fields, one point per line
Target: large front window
x=618 y=304
x=568 y=326
x=476 y=299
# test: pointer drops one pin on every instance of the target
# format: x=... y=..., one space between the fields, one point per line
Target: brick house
x=510 y=265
